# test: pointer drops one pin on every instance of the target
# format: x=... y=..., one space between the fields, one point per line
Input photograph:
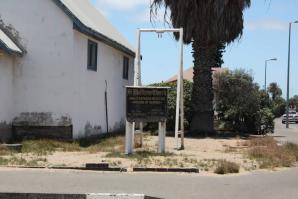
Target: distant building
x=57 y=60
x=188 y=74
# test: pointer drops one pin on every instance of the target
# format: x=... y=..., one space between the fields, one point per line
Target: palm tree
x=274 y=90
x=207 y=24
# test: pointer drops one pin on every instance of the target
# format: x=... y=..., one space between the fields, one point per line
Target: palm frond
x=205 y=20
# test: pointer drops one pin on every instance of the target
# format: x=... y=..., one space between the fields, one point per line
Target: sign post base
x=129 y=137
x=162 y=137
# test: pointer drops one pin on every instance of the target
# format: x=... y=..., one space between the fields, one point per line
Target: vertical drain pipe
x=106 y=104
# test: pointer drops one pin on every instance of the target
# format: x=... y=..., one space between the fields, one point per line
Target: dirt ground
x=200 y=153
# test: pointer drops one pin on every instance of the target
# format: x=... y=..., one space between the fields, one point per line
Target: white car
x=293 y=117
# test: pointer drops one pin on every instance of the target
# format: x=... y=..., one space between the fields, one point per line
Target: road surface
x=286 y=135
x=261 y=184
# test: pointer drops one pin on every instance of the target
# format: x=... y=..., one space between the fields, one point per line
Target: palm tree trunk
x=202 y=95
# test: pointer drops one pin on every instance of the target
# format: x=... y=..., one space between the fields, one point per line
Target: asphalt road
x=260 y=184
x=265 y=185
x=286 y=135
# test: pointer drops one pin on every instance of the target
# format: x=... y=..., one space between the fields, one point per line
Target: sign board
x=146 y=104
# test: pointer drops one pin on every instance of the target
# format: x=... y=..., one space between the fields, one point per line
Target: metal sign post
x=179 y=102
x=180 y=98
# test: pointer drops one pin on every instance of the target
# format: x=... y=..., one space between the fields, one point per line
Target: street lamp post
x=274 y=59
x=288 y=78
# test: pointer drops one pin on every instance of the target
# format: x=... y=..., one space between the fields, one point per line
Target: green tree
x=277 y=104
x=293 y=102
x=279 y=107
x=241 y=106
x=207 y=24
x=274 y=90
x=265 y=101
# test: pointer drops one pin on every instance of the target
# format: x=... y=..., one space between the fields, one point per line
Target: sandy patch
x=201 y=153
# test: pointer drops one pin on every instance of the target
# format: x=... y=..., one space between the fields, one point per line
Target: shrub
x=279 y=107
x=265 y=121
x=225 y=167
x=240 y=105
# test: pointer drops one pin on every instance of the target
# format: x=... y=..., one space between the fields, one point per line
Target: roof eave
x=100 y=37
x=10 y=51
x=79 y=26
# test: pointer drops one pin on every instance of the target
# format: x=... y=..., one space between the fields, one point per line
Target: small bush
x=265 y=121
x=225 y=167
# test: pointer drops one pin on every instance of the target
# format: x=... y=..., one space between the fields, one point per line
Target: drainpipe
x=106 y=104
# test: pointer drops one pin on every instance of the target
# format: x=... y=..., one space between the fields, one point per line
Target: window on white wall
x=125 y=67
x=92 y=56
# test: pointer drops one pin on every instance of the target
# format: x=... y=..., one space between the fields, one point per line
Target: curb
x=115 y=169
x=179 y=170
x=70 y=168
x=72 y=196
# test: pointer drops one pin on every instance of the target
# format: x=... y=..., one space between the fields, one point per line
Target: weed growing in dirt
x=20 y=161
x=45 y=146
x=226 y=167
x=270 y=155
x=4 y=150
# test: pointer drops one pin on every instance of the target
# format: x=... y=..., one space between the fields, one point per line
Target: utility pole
x=288 y=76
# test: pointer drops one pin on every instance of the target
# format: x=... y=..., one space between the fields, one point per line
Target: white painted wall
x=53 y=75
x=6 y=88
x=91 y=85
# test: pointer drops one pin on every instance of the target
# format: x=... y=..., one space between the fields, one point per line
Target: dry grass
x=4 y=150
x=204 y=154
x=226 y=167
x=292 y=148
x=113 y=143
x=45 y=146
x=108 y=144
x=270 y=155
x=138 y=155
x=20 y=161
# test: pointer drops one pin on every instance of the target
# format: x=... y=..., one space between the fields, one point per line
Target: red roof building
x=188 y=74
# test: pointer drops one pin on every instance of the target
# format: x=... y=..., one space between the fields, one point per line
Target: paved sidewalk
x=283 y=134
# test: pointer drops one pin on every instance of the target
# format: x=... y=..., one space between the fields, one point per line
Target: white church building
x=62 y=64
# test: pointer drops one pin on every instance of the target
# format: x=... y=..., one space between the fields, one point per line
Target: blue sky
x=265 y=36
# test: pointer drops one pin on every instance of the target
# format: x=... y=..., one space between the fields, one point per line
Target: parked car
x=293 y=117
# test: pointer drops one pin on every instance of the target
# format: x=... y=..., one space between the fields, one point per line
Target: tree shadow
x=218 y=135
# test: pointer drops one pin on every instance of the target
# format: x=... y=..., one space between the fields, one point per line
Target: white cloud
x=124 y=5
x=138 y=11
x=144 y=16
x=266 y=24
